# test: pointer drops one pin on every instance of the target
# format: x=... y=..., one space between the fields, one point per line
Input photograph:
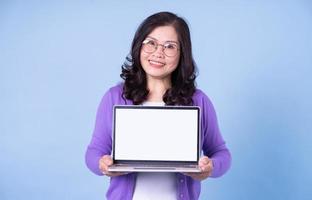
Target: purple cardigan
x=122 y=187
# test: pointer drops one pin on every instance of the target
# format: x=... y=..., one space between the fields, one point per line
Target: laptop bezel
x=157 y=162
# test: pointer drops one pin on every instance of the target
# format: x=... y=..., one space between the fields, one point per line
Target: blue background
x=57 y=59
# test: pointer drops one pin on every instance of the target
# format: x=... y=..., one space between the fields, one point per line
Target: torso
x=155 y=185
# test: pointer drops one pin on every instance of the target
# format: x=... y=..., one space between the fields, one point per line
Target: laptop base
x=120 y=168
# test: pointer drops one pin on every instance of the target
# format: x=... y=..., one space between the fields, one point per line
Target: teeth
x=156 y=63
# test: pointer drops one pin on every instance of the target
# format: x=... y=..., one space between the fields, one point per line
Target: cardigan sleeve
x=101 y=142
x=213 y=144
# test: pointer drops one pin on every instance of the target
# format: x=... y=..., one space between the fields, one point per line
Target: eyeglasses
x=170 y=49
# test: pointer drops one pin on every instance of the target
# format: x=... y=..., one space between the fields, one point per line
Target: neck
x=157 y=89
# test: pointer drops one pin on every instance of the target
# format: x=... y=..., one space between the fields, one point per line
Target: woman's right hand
x=104 y=163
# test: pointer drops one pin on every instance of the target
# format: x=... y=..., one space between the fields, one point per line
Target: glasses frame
x=145 y=42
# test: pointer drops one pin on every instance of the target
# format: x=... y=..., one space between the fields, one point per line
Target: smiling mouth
x=156 y=63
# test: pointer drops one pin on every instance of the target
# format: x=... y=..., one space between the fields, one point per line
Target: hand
x=206 y=166
x=104 y=163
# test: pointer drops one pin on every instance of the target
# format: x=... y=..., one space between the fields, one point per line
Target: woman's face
x=160 y=53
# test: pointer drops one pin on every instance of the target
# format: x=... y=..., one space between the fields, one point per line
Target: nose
x=160 y=51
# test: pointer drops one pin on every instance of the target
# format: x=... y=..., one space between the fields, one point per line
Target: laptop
x=156 y=139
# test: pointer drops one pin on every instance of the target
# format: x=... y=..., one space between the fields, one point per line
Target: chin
x=158 y=76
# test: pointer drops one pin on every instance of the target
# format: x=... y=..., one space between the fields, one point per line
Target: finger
x=188 y=173
x=102 y=165
x=191 y=174
x=108 y=160
x=210 y=166
x=206 y=169
x=105 y=168
x=104 y=162
x=204 y=163
x=113 y=174
x=204 y=160
x=197 y=176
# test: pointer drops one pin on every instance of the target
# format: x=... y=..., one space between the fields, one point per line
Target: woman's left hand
x=206 y=166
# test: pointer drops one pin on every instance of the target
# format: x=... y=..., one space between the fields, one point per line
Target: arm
x=213 y=144
x=101 y=142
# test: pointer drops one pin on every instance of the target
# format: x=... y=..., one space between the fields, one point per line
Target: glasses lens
x=149 y=46
x=170 y=49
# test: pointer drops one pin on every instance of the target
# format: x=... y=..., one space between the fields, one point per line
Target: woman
x=161 y=71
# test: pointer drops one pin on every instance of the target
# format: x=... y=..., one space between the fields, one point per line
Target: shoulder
x=208 y=112
x=203 y=101
x=114 y=95
x=200 y=98
x=115 y=90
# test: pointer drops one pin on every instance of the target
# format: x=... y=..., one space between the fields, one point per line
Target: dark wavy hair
x=182 y=78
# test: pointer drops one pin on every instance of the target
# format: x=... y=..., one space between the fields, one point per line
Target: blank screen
x=156 y=134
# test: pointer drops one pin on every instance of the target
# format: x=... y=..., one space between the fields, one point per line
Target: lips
x=155 y=63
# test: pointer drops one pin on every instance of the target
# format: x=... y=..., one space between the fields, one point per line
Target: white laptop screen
x=156 y=133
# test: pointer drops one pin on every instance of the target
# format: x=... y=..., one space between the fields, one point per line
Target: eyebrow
x=165 y=41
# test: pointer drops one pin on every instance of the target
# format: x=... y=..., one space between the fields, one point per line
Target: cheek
x=174 y=63
x=143 y=57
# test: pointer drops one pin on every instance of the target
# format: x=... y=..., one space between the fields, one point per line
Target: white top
x=153 y=103
x=155 y=185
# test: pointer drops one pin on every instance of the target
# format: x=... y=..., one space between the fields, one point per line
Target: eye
x=149 y=42
x=170 y=46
